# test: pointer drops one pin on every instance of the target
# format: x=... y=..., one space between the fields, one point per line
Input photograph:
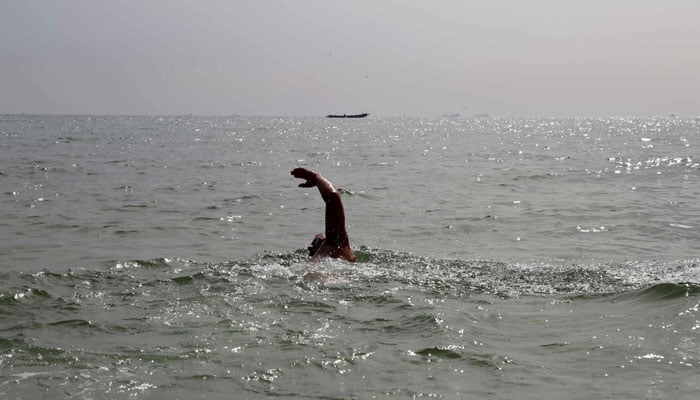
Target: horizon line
x=442 y=116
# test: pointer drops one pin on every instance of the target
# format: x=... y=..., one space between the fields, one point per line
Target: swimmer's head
x=316 y=244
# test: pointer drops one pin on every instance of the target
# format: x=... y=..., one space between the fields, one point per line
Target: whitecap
x=680 y=226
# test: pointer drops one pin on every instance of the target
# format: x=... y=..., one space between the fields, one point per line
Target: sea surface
x=498 y=258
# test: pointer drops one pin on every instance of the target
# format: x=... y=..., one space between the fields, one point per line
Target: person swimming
x=335 y=243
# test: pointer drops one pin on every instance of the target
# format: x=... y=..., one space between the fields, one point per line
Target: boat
x=347 y=116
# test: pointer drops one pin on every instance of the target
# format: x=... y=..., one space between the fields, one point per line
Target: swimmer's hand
x=303 y=173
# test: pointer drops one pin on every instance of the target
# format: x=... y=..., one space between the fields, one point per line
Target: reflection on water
x=393 y=324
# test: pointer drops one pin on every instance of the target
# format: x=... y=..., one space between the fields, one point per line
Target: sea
x=164 y=257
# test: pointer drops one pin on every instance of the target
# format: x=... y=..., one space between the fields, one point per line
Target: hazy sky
x=313 y=57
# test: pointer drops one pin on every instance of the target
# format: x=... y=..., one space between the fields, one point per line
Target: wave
x=444 y=277
x=296 y=317
x=668 y=291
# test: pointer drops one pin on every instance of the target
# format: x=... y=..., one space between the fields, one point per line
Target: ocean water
x=498 y=258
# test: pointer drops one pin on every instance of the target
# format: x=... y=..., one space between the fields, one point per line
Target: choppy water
x=161 y=257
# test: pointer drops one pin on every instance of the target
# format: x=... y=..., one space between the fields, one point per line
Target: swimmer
x=335 y=243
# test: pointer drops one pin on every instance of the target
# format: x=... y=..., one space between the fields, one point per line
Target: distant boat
x=347 y=116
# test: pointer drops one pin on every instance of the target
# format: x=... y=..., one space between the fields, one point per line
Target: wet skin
x=336 y=243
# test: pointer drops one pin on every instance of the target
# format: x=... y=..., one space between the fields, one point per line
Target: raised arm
x=337 y=243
